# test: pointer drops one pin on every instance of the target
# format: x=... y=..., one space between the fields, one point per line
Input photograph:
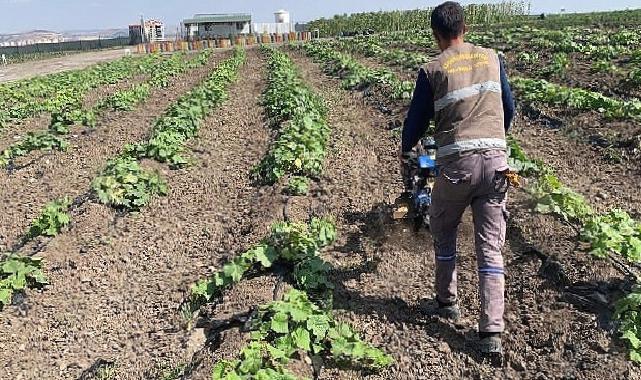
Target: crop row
x=371 y=47
x=299 y=115
x=539 y=90
x=72 y=113
x=355 y=75
x=123 y=183
x=23 y=99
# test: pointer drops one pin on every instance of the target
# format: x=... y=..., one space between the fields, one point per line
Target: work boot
x=437 y=308
x=490 y=343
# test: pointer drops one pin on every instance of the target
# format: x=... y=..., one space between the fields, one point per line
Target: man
x=466 y=92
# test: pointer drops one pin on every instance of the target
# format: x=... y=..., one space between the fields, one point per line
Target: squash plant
x=282 y=329
x=51 y=220
x=18 y=273
x=123 y=184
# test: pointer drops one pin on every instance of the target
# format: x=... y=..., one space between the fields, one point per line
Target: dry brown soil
x=31 y=69
x=117 y=280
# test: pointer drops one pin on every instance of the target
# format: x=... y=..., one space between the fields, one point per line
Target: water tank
x=282 y=16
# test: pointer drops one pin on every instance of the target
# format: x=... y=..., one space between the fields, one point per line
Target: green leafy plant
x=627 y=312
x=294 y=244
x=125 y=185
x=520 y=162
x=32 y=142
x=257 y=361
x=614 y=232
x=283 y=328
x=52 y=219
x=603 y=66
x=527 y=58
x=552 y=197
x=298 y=185
x=18 y=273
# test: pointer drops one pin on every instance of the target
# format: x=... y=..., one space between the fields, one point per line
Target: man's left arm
x=420 y=112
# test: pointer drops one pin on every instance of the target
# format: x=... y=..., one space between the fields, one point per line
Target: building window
x=240 y=25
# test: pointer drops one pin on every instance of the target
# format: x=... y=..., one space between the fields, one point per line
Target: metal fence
x=11 y=51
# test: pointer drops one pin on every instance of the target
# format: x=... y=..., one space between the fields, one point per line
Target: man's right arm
x=420 y=112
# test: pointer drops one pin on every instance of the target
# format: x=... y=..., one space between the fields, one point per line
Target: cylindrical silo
x=282 y=16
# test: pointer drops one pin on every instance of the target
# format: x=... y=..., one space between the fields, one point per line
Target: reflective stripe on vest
x=466 y=92
x=466 y=145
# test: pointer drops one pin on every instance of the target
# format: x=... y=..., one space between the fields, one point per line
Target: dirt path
x=386 y=270
x=47 y=176
x=54 y=65
x=117 y=281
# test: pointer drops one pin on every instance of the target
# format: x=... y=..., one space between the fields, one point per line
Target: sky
x=62 y=15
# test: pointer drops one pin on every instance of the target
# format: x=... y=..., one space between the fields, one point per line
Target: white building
x=281 y=25
x=217 y=25
x=154 y=30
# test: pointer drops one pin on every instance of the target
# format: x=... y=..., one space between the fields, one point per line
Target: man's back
x=468 y=112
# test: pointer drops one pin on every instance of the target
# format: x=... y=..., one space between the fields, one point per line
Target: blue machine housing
x=425 y=162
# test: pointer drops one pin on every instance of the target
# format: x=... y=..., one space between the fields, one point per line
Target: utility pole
x=142 y=28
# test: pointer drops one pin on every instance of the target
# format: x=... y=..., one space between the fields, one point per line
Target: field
x=226 y=214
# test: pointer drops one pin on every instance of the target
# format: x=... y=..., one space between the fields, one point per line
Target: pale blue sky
x=22 y=15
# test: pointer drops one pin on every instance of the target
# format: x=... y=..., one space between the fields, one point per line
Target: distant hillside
x=35 y=36
x=31 y=37
x=94 y=34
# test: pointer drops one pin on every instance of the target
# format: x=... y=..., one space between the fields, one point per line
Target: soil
x=41 y=177
x=14 y=132
x=117 y=280
x=31 y=69
x=557 y=297
x=580 y=74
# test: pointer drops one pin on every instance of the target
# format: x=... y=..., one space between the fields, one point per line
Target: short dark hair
x=448 y=20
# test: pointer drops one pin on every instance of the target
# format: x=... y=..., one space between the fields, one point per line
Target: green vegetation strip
x=124 y=184
x=300 y=116
x=614 y=232
x=303 y=321
x=539 y=90
x=23 y=99
x=72 y=112
x=354 y=74
x=415 y=19
x=371 y=47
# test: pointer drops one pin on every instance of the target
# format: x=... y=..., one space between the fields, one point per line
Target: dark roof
x=213 y=18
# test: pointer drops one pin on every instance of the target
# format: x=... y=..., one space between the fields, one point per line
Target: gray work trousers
x=474 y=179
